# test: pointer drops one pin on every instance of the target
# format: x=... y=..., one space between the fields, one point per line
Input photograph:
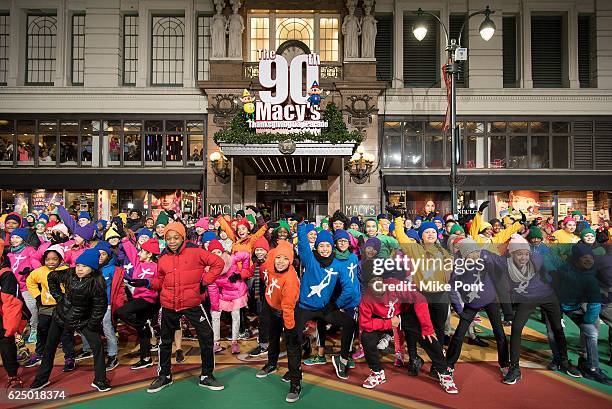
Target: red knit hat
x=51 y=224
x=261 y=243
x=152 y=246
x=245 y=223
x=215 y=244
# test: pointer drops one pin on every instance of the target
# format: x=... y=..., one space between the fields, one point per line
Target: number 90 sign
x=288 y=81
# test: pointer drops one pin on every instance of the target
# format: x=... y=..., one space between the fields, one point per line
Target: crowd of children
x=64 y=275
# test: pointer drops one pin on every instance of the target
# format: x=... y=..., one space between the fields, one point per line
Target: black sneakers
x=83 y=355
x=414 y=366
x=159 y=383
x=38 y=385
x=111 y=363
x=597 y=375
x=513 y=376
x=569 y=369
x=294 y=393
x=258 y=351
x=265 y=371
x=101 y=386
x=285 y=378
x=143 y=363
x=339 y=366
x=209 y=381
x=478 y=342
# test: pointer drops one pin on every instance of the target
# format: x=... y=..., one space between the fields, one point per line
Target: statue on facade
x=368 y=31
x=351 y=29
x=217 y=31
x=235 y=29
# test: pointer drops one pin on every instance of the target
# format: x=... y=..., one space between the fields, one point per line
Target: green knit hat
x=456 y=228
x=586 y=231
x=326 y=221
x=251 y=218
x=576 y=213
x=535 y=232
x=162 y=218
x=282 y=224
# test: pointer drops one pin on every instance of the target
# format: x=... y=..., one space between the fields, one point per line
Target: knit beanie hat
x=90 y=258
x=467 y=245
x=43 y=216
x=245 y=223
x=57 y=249
x=283 y=248
x=586 y=231
x=162 y=219
x=262 y=243
x=324 y=221
x=123 y=217
x=438 y=218
x=13 y=216
x=518 y=242
x=40 y=222
x=373 y=242
x=103 y=222
x=581 y=249
x=251 y=219
x=203 y=223
x=309 y=227
x=535 y=233
x=61 y=228
x=425 y=226
x=103 y=246
x=382 y=216
x=145 y=232
x=86 y=232
x=111 y=233
x=355 y=220
x=324 y=236
x=282 y=224
x=22 y=232
x=456 y=229
x=84 y=215
x=208 y=236
x=215 y=244
x=341 y=234
x=484 y=226
x=177 y=227
x=568 y=219
x=152 y=246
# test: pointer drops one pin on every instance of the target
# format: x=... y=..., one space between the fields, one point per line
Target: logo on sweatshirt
x=391 y=310
x=17 y=262
x=273 y=284
x=351 y=269
x=316 y=289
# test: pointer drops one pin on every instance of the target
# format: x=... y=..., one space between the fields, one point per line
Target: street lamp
x=487 y=29
x=360 y=166
x=220 y=166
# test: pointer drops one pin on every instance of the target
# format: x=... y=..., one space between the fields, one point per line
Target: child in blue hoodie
x=322 y=272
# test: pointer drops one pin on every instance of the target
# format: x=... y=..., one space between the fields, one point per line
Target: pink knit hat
x=518 y=242
x=203 y=223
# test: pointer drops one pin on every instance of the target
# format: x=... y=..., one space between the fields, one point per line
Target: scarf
x=324 y=261
x=342 y=255
x=521 y=276
x=19 y=248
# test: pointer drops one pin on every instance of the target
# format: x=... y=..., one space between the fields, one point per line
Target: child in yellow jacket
x=38 y=287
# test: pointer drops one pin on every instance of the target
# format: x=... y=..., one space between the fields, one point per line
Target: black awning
x=527 y=181
x=88 y=179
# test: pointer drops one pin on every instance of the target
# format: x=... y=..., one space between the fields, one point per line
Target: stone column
x=103 y=40
x=603 y=34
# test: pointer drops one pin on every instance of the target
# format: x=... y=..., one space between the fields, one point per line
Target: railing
x=250 y=70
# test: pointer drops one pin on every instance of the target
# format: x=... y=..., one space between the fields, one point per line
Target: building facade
x=111 y=105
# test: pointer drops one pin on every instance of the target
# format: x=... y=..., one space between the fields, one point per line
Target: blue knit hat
x=84 y=215
x=438 y=218
x=145 y=232
x=418 y=218
x=208 y=236
x=309 y=227
x=44 y=216
x=103 y=246
x=355 y=220
x=85 y=232
x=581 y=249
x=22 y=232
x=324 y=236
x=103 y=222
x=427 y=225
x=341 y=234
x=374 y=242
x=90 y=258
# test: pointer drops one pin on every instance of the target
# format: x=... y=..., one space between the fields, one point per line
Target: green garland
x=336 y=132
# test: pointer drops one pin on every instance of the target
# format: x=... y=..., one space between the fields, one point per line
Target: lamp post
x=487 y=29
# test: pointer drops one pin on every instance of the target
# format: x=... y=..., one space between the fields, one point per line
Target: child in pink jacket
x=229 y=292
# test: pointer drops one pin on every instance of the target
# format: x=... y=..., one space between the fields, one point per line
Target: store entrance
x=310 y=204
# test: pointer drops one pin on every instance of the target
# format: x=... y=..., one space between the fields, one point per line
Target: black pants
x=552 y=310
x=335 y=317
x=454 y=348
x=8 y=352
x=437 y=304
x=264 y=315
x=200 y=318
x=294 y=350
x=136 y=313
x=369 y=342
x=412 y=329
x=53 y=338
x=42 y=332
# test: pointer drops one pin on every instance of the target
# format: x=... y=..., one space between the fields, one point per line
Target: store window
x=112 y=138
x=69 y=142
x=196 y=152
x=132 y=143
x=47 y=143
x=153 y=142
x=560 y=145
x=90 y=141
x=393 y=145
x=7 y=147
x=174 y=142
x=25 y=142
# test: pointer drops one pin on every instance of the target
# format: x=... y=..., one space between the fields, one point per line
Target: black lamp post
x=487 y=29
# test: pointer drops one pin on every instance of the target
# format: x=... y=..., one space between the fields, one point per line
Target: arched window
x=40 y=49
x=167 y=39
x=293 y=28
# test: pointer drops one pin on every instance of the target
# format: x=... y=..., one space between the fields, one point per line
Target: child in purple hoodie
x=143 y=303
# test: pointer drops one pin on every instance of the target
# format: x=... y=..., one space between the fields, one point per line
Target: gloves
x=138 y=282
x=430 y=216
x=483 y=206
x=273 y=225
x=234 y=277
x=523 y=217
x=393 y=211
x=25 y=271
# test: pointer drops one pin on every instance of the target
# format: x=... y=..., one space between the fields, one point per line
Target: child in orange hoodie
x=282 y=294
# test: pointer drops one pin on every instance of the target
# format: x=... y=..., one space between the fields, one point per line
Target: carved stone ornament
x=360 y=111
x=224 y=107
x=286 y=147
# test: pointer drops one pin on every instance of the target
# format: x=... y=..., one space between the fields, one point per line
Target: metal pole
x=454 y=153
x=232 y=187
x=342 y=185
